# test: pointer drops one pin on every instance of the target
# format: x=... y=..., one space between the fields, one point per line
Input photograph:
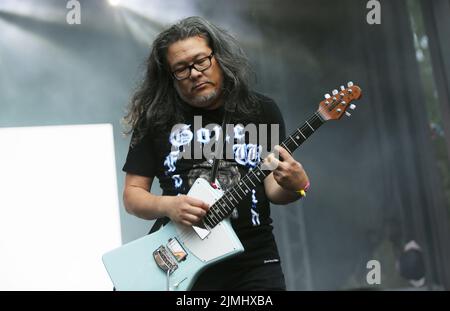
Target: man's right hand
x=186 y=210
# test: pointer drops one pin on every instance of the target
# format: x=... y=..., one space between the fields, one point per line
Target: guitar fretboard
x=233 y=196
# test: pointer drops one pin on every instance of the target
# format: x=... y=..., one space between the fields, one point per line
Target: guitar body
x=134 y=267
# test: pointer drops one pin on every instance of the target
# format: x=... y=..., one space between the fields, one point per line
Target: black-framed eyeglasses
x=200 y=65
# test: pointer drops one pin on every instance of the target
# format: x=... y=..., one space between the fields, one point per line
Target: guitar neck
x=233 y=196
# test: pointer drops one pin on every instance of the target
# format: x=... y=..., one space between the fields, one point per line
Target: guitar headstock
x=335 y=105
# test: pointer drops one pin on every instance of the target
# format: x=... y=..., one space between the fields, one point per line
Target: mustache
x=201 y=83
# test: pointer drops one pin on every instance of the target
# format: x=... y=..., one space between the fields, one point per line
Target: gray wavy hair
x=156 y=104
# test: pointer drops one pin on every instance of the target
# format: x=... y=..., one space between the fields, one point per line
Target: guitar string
x=332 y=106
x=190 y=231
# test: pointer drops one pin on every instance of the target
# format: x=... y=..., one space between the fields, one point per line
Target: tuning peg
x=350 y=84
x=352 y=106
x=335 y=92
x=348 y=114
x=338 y=110
x=342 y=88
x=327 y=96
x=343 y=103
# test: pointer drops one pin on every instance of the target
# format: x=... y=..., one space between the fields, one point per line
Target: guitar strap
x=216 y=161
x=226 y=118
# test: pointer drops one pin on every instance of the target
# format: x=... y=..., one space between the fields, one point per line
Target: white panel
x=59 y=209
x=220 y=241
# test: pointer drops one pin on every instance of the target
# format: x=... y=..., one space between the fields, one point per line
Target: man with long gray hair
x=196 y=69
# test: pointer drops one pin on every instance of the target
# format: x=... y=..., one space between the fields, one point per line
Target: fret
x=260 y=172
x=223 y=213
x=301 y=133
x=243 y=192
x=236 y=192
x=317 y=120
x=319 y=117
x=306 y=130
x=310 y=125
x=293 y=141
x=224 y=202
x=207 y=223
x=256 y=176
x=231 y=196
x=224 y=205
x=298 y=138
x=224 y=197
x=245 y=186
x=211 y=216
x=220 y=214
x=216 y=217
x=250 y=180
x=285 y=147
x=213 y=223
x=207 y=218
x=221 y=207
x=219 y=211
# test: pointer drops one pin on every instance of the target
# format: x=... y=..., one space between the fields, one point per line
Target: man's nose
x=195 y=74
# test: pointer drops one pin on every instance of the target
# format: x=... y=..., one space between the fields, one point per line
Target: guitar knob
x=327 y=96
x=338 y=110
x=348 y=114
x=342 y=88
x=335 y=92
x=352 y=106
x=350 y=84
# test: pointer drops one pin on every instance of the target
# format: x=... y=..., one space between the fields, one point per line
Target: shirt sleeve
x=141 y=158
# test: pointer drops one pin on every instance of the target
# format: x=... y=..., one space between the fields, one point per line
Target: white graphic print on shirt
x=244 y=154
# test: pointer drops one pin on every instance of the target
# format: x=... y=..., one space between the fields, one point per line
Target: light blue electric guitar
x=173 y=257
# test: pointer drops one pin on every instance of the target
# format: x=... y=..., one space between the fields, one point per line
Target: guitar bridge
x=164 y=260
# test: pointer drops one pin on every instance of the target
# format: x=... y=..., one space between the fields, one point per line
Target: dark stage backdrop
x=375 y=182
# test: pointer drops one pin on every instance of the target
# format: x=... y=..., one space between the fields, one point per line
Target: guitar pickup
x=176 y=249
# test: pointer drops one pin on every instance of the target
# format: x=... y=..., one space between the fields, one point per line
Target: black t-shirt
x=158 y=155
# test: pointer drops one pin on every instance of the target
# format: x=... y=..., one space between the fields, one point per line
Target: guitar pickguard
x=220 y=241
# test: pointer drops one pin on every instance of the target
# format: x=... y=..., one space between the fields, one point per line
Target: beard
x=204 y=100
x=200 y=101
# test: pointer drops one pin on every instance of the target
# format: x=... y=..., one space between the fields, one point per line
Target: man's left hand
x=289 y=173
